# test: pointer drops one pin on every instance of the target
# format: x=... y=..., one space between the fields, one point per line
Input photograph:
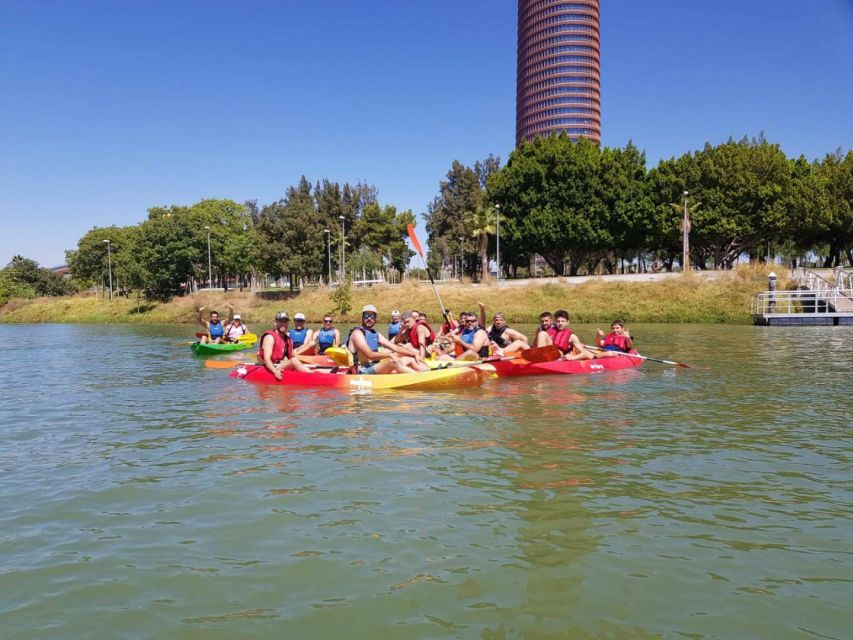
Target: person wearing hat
x=276 y=348
x=301 y=335
x=364 y=342
x=235 y=327
x=395 y=325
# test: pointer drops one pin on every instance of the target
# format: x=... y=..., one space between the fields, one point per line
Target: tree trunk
x=484 y=258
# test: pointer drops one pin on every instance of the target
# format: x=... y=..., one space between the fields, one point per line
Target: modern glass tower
x=559 y=69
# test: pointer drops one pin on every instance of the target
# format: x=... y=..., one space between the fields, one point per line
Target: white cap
x=299 y=316
x=237 y=316
x=368 y=308
x=395 y=312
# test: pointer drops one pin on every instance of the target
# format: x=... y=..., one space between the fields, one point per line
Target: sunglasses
x=327 y=322
x=368 y=316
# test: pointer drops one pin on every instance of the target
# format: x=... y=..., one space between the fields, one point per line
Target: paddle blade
x=340 y=355
x=222 y=364
x=247 y=337
x=414 y=239
x=547 y=353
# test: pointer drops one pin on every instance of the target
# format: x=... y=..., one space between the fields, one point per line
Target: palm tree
x=481 y=222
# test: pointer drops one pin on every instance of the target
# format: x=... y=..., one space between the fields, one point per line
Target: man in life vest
x=235 y=327
x=213 y=327
x=395 y=326
x=501 y=338
x=566 y=339
x=276 y=349
x=615 y=343
x=546 y=321
x=448 y=325
x=421 y=335
x=471 y=340
x=301 y=335
x=327 y=336
x=364 y=342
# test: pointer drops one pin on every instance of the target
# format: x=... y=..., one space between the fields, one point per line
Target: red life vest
x=560 y=339
x=414 y=338
x=613 y=340
x=448 y=327
x=282 y=347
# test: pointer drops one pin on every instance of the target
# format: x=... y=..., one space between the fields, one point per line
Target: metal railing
x=770 y=303
x=815 y=295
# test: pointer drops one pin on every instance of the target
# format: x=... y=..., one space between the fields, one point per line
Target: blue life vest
x=393 y=329
x=467 y=336
x=325 y=339
x=298 y=336
x=215 y=330
x=370 y=336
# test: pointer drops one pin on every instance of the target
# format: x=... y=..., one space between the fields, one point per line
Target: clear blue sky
x=108 y=108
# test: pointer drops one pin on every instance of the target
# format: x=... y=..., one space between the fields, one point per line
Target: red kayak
x=520 y=367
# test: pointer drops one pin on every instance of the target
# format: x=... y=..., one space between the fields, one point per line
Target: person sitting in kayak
x=546 y=321
x=301 y=335
x=472 y=342
x=566 y=339
x=615 y=343
x=215 y=331
x=364 y=342
x=501 y=338
x=421 y=335
x=327 y=336
x=395 y=326
x=276 y=349
x=235 y=327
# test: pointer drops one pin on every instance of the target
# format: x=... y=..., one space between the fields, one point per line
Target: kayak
x=210 y=348
x=443 y=379
x=520 y=367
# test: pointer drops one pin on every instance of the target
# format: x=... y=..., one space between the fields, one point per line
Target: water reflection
x=635 y=503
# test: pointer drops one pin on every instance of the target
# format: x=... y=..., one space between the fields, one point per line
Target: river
x=143 y=495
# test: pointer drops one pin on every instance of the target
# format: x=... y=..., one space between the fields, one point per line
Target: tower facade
x=559 y=69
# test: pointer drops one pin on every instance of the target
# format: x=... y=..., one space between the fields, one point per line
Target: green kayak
x=211 y=348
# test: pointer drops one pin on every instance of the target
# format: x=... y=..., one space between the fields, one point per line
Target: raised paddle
x=637 y=355
x=417 y=246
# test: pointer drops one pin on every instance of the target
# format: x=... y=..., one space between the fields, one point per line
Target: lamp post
x=110 y=266
x=498 y=249
x=329 y=251
x=685 y=229
x=209 y=261
x=343 y=248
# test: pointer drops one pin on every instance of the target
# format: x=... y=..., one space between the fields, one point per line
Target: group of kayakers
x=411 y=340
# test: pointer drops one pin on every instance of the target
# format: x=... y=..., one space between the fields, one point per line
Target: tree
x=24 y=278
x=291 y=237
x=481 y=224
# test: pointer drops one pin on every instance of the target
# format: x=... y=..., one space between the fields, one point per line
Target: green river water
x=143 y=495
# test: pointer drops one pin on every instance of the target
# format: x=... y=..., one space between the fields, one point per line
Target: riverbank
x=695 y=298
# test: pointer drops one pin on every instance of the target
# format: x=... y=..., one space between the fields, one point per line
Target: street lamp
x=685 y=235
x=329 y=248
x=343 y=249
x=498 y=250
x=110 y=263
x=209 y=262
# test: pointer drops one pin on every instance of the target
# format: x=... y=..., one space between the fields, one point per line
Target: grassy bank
x=683 y=299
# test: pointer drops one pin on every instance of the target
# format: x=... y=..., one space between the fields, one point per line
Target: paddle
x=417 y=245
x=230 y=364
x=245 y=338
x=637 y=355
x=534 y=355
